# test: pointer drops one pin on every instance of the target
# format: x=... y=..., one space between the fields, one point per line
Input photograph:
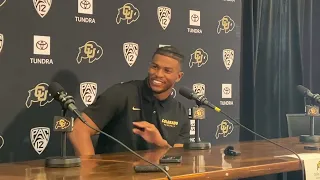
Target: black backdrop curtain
x=276 y=37
x=274 y=32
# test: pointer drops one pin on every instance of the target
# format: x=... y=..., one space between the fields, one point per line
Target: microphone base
x=62 y=162
x=197 y=145
x=310 y=138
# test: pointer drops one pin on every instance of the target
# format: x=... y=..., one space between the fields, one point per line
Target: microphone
x=59 y=94
x=201 y=99
x=311 y=111
x=64 y=125
x=306 y=92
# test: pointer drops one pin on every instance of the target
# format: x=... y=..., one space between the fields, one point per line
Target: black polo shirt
x=116 y=108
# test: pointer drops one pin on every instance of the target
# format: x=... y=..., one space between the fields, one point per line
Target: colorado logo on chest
x=169 y=123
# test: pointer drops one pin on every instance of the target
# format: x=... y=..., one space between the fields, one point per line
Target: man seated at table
x=142 y=114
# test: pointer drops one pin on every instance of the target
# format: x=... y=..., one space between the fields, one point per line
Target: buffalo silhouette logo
x=127 y=13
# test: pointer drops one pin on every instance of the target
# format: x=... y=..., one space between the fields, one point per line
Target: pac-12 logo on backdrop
x=1 y=142
x=199 y=88
x=128 y=12
x=2 y=2
x=1 y=42
x=225 y=128
x=163 y=45
x=39 y=94
x=164 y=16
x=88 y=92
x=42 y=7
x=130 y=52
x=173 y=93
x=199 y=57
x=225 y=24
x=90 y=51
x=228 y=57
x=39 y=137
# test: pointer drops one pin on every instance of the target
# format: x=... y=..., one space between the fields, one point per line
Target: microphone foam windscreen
x=186 y=92
x=303 y=90
x=54 y=89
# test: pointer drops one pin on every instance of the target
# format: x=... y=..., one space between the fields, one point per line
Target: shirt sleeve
x=107 y=105
x=184 y=134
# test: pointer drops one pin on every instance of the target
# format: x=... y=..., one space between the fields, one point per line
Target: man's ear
x=180 y=75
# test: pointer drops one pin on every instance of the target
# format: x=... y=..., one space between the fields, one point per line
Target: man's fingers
x=142 y=124
x=137 y=131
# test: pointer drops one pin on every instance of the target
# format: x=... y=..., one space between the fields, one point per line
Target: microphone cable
x=217 y=109
x=109 y=136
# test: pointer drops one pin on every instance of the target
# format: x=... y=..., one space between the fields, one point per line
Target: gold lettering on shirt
x=169 y=123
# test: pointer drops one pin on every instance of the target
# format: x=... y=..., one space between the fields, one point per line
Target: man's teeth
x=156 y=82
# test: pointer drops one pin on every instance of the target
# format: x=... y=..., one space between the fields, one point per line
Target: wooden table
x=257 y=158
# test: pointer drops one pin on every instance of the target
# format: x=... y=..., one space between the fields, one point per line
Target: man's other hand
x=149 y=133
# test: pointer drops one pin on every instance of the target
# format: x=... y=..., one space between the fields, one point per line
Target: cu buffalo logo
x=224 y=129
x=127 y=13
x=39 y=94
x=318 y=165
x=90 y=51
x=199 y=57
x=225 y=24
x=313 y=111
x=62 y=124
x=42 y=7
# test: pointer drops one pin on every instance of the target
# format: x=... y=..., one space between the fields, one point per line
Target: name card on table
x=311 y=162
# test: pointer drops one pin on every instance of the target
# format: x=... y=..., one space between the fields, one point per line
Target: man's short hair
x=170 y=51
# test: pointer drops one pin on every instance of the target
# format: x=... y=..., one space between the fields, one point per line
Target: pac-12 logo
x=164 y=16
x=228 y=57
x=88 y=92
x=130 y=52
x=225 y=24
x=90 y=51
x=39 y=137
x=1 y=142
x=39 y=94
x=1 y=42
x=199 y=88
x=173 y=93
x=199 y=57
x=127 y=13
x=2 y=2
x=42 y=7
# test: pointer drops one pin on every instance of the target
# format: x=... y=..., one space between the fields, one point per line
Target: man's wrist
x=163 y=143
